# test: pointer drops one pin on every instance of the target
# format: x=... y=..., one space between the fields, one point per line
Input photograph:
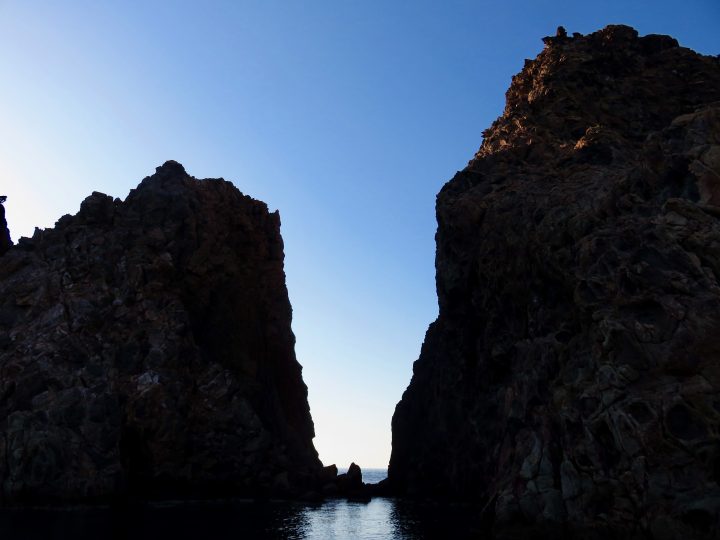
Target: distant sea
x=380 y=519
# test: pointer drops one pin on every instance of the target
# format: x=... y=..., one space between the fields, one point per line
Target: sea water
x=381 y=518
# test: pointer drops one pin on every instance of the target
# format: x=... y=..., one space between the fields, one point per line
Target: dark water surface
x=381 y=518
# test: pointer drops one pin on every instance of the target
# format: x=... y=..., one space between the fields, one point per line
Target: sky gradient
x=348 y=117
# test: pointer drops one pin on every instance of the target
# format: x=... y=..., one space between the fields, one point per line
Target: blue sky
x=348 y=117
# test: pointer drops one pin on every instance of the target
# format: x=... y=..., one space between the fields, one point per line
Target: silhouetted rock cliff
x=146 y=349
x=573 y=374
x=5 y=241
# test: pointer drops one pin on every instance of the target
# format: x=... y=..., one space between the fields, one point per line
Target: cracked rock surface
x=572 y=377
x=146 y=349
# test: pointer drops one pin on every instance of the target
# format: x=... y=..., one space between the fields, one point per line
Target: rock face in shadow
x=5 y=241
x=573 y=374
x=146 y=349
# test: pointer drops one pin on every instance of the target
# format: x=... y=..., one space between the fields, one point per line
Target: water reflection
x=412 y=520
x=378 y=519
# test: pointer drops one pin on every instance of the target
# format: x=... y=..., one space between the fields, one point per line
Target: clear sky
x=347 y=116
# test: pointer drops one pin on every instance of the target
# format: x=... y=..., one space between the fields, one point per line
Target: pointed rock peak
x=171 y=168
x=169 y=177
x=618 y=33
x=580 y=82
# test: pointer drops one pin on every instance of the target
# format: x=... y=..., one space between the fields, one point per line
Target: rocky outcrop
x=573 y=374
x=5 y=241
x=146 y=349
x=348 y=485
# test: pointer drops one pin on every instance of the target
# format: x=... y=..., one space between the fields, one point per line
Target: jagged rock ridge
x=573 y=373
x=146 y=349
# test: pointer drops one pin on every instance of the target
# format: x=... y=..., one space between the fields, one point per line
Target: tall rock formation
x=573 y=374
x=5 y=241
x=146 y=349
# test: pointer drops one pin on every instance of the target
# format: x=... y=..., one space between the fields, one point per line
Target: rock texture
x=146 y=349
x=5 y=241
x=573 y=374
